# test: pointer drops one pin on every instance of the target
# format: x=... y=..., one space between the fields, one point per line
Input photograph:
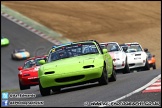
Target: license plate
x=137 y=58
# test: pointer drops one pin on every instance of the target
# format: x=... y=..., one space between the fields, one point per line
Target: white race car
x=118 y=55
x=137 y=57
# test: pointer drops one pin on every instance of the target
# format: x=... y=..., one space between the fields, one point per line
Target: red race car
x=28 y=74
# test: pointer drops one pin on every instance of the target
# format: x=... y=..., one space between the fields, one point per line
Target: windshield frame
x=73 y=50
x=35 y=62
x=134 y=48
x=107 y=46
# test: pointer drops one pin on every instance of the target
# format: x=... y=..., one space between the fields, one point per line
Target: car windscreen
x=133 y=48
x=103 y=46
x=29 y=64
x=149 y=56
x=33 y=62
x=72 y=50
x=21 y=50
x=111 y=47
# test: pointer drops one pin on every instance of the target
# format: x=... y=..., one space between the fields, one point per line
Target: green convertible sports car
x=4 y=41
x=75 y=63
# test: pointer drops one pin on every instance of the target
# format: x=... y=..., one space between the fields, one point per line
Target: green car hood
x=73 y=64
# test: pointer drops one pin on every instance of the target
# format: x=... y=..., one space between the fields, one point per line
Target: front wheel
x=104 y=78
x=44 y=91
x=22 y=87
x=147 y=66
x=126 y=68
x=113 y=76
x=56 y=89
x=154 y=66
x=12 y=57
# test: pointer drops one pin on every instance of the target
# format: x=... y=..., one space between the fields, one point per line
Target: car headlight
x=40 y=71
x=20 y=72
x=37 y=68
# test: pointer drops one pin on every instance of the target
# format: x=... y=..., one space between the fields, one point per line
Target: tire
x=103 y=80
x=44 y=91
x=56 y=89
x=154 y=66
x=22 y=87
x=147 y=66
x=126 y=68
x=12 y=57
x=113 y=76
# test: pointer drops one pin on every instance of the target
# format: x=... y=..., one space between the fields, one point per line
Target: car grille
x=34 y=80
x=132 y=64
x=137 y=54
x=72 y=78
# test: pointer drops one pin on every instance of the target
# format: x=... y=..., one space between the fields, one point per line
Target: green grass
x=10 y=90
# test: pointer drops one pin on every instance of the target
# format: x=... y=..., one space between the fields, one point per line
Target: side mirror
x=20 y=68
x=41 y=62
x=153 y=55
x=125 y=49
x=104 y=51
x=145 y=49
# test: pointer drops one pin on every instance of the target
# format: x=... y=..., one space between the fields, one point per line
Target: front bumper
x=29 y=81
x=51 y=80
x=152 y=64
x=118 y=64
x=136 y=63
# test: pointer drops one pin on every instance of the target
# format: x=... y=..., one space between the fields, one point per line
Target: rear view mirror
x=20 y=68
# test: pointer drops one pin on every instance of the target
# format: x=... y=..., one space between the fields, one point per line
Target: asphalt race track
x=68 y=97
x=77 y=96
x=19 y=38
